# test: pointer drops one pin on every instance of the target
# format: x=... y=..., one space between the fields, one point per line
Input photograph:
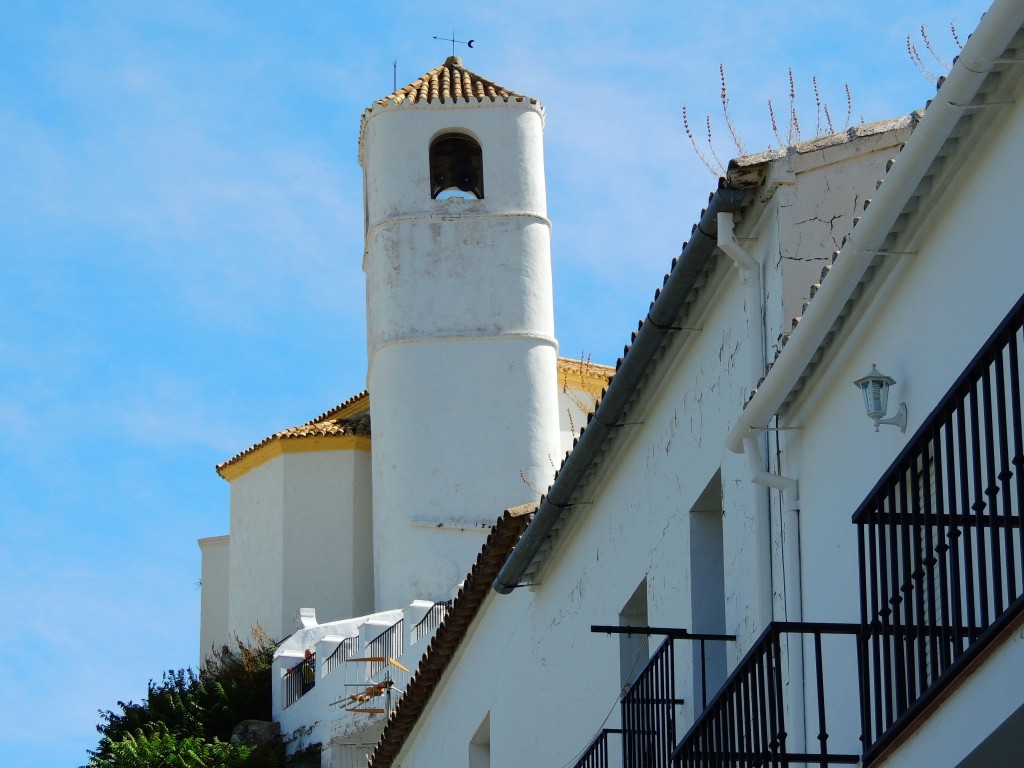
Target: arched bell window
x=456 y=167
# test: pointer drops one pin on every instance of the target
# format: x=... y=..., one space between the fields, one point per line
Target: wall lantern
x=875 y=387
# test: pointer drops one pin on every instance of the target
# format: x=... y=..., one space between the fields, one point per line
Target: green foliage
x=187 y=718
x=162 y=748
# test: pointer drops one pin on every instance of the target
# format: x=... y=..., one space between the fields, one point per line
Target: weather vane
x=453 y=41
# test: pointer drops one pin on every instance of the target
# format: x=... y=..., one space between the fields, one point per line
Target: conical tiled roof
x=451 y=82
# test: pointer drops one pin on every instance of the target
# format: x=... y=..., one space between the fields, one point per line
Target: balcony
x=649 y=707
x=371 y=678
x=941 y=549
x=941 y=542
x=746 y=723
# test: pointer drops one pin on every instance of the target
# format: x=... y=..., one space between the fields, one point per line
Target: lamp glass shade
x=875 y=388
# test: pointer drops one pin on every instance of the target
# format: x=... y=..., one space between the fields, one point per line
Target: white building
x=804 y=587
x=356 y=542
x=810 y=588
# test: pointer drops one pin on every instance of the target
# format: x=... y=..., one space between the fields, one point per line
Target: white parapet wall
x=343 y=703
x=315 y=716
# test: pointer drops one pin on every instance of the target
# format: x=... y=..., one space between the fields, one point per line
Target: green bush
x=162 y=748
x=187 y=718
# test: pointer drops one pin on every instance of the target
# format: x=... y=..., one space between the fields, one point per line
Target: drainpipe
x=752 y=277
x=788 y=562
x=746 y=263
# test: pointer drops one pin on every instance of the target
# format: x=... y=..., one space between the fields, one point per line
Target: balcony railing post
x=819 y=678
x=955 y=575
x=1004 y=477
x=979 y=506
x=777 y=704
x=1018 y=439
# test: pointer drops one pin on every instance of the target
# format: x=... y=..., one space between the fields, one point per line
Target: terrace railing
x=745 y=723
x=941 y=542
x=346 y=650
x=387 y=645
x=298 y=681
x=431 y=620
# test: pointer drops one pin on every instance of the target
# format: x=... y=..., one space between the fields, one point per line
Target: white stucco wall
x=460 y=334
x=257 y=565
x=817 y=194
x=215 y=552
x=552 y=680
x=328 y=534
x=555 y=682
x=301 y=538
x=444 y=461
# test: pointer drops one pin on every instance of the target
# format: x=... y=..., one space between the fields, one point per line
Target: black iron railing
x=299 y=680
x=648 y=708
x=597 y=752
x=387 y=645
x=745 y=724
x=346 y=650
x=431 y=620
x=649 y=712
x=941 y=539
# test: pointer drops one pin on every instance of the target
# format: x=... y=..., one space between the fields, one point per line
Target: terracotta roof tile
x=451 y=82
x=351 y=417
x=354 y=406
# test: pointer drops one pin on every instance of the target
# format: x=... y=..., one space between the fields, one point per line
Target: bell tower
x=460 y=323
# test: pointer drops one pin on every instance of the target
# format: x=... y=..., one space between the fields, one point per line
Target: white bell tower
x=460 y=326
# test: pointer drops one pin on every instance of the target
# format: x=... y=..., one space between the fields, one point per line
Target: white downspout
x=730 y=247
x=788 y=561
x=788 y=485
x=751 y=276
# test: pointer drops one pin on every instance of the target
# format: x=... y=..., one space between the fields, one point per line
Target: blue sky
x=180 y=249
